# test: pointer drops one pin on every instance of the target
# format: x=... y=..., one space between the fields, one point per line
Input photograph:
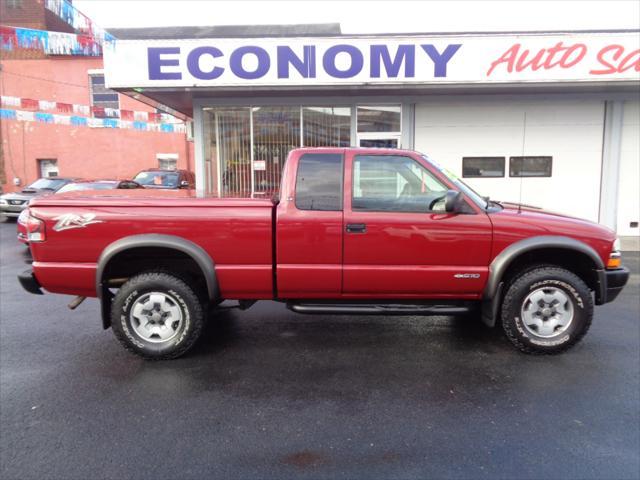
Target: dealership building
x=550 y=119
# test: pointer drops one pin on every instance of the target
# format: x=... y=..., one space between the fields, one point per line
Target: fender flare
x=197 y=253
x=500 y=264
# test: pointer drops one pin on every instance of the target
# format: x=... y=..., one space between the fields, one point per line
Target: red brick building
x=56 y=115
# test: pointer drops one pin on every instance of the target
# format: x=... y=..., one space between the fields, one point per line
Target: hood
x=554 y=223
x=511 y=206
x=26 y=194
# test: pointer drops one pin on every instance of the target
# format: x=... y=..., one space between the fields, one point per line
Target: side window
x=319 y=182
x=167 y=161
x=389 y=183
x=482 y=167
x=103 y=98
x=530 y=166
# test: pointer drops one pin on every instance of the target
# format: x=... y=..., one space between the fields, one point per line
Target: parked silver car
x=11 y=204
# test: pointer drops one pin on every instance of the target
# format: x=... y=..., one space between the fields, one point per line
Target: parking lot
x=272 y=394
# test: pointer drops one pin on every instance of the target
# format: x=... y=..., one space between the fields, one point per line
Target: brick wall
x=80 y=151
x=23 y=13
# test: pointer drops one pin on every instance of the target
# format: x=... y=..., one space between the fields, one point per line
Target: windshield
x=73 y=187
x=157 y=179
x=464 y=188
x=47 y=184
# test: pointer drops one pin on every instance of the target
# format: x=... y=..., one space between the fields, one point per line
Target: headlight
x=616 y=245
x=614 y=257
x=3 y=201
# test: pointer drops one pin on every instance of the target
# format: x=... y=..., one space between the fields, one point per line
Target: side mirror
x=184 y=184
x=452 y=201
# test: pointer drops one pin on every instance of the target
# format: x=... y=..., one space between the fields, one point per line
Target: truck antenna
x=524 y=136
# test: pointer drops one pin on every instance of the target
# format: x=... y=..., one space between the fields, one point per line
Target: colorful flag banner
x=85 y=110
x=93 y=122
x=8 y=114
x=78 y=20
x=50 y=43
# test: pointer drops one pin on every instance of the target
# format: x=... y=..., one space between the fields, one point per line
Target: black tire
x=185 y=331
x=517 y=303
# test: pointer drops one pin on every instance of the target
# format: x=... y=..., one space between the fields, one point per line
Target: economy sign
x=373 y=60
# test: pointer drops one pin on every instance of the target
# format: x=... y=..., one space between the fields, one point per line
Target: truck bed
x=239 y=231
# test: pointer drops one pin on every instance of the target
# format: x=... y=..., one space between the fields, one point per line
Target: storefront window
x=228 y=151
x=276 y=131
x=245 y=148
x=379 y=118
x=326 y=126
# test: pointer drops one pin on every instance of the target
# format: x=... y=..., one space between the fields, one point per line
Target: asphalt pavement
x=269 y=394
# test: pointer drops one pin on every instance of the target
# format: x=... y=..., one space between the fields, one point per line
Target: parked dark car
x=98 y=185
x=168 y=179
x=11 y=204
x=77 y=186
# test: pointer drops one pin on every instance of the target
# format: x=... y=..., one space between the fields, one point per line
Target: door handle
x=356 y=228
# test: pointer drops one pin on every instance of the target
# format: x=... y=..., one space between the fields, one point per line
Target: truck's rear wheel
x=157 y=316
x=546 y=310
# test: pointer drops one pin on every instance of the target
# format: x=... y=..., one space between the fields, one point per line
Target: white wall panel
x=568 y=130
x=629 y=184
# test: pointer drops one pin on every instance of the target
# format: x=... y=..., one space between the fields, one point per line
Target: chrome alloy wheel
x=156 y=317
x=547 y=312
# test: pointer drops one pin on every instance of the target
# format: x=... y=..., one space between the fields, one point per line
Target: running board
x=378 y=309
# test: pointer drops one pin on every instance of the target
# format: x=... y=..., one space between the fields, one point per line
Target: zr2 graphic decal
x=71 y=220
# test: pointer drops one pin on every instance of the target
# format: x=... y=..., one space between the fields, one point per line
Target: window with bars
x=326 y=126
x=102 y=98
x=246 y=147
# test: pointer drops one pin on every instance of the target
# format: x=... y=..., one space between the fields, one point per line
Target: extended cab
x=354 y=231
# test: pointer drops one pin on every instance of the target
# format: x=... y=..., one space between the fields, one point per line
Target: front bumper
x=29 y=282
x=13 y=210
x=615 y=280
x=611 y=283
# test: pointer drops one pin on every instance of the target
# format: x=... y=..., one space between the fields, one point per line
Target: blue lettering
x=155 y=63
x=329 y=61
x=405 y=53
x=305 y=67
x=263 y=62
x=440 y=60
x=193 y=63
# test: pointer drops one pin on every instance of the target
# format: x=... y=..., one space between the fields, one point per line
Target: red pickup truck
x=354 y=231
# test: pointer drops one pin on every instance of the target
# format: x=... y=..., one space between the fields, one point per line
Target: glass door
x=379 y=126
x=392 y=142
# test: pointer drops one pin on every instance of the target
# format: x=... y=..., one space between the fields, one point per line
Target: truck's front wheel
x=157 y=316
x=546 y=310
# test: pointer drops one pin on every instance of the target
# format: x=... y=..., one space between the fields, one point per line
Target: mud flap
x=491 y=307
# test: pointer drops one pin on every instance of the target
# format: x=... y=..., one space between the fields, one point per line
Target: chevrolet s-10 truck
x=352 y=231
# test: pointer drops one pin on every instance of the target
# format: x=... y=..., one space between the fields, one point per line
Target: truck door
x=398 y=240
x=309 y=225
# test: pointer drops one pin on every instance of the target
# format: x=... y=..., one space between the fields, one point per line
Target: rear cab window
x=319 y=182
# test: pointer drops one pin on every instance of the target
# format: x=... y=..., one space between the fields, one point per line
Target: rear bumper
x=611 y=284
x=29 y=282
